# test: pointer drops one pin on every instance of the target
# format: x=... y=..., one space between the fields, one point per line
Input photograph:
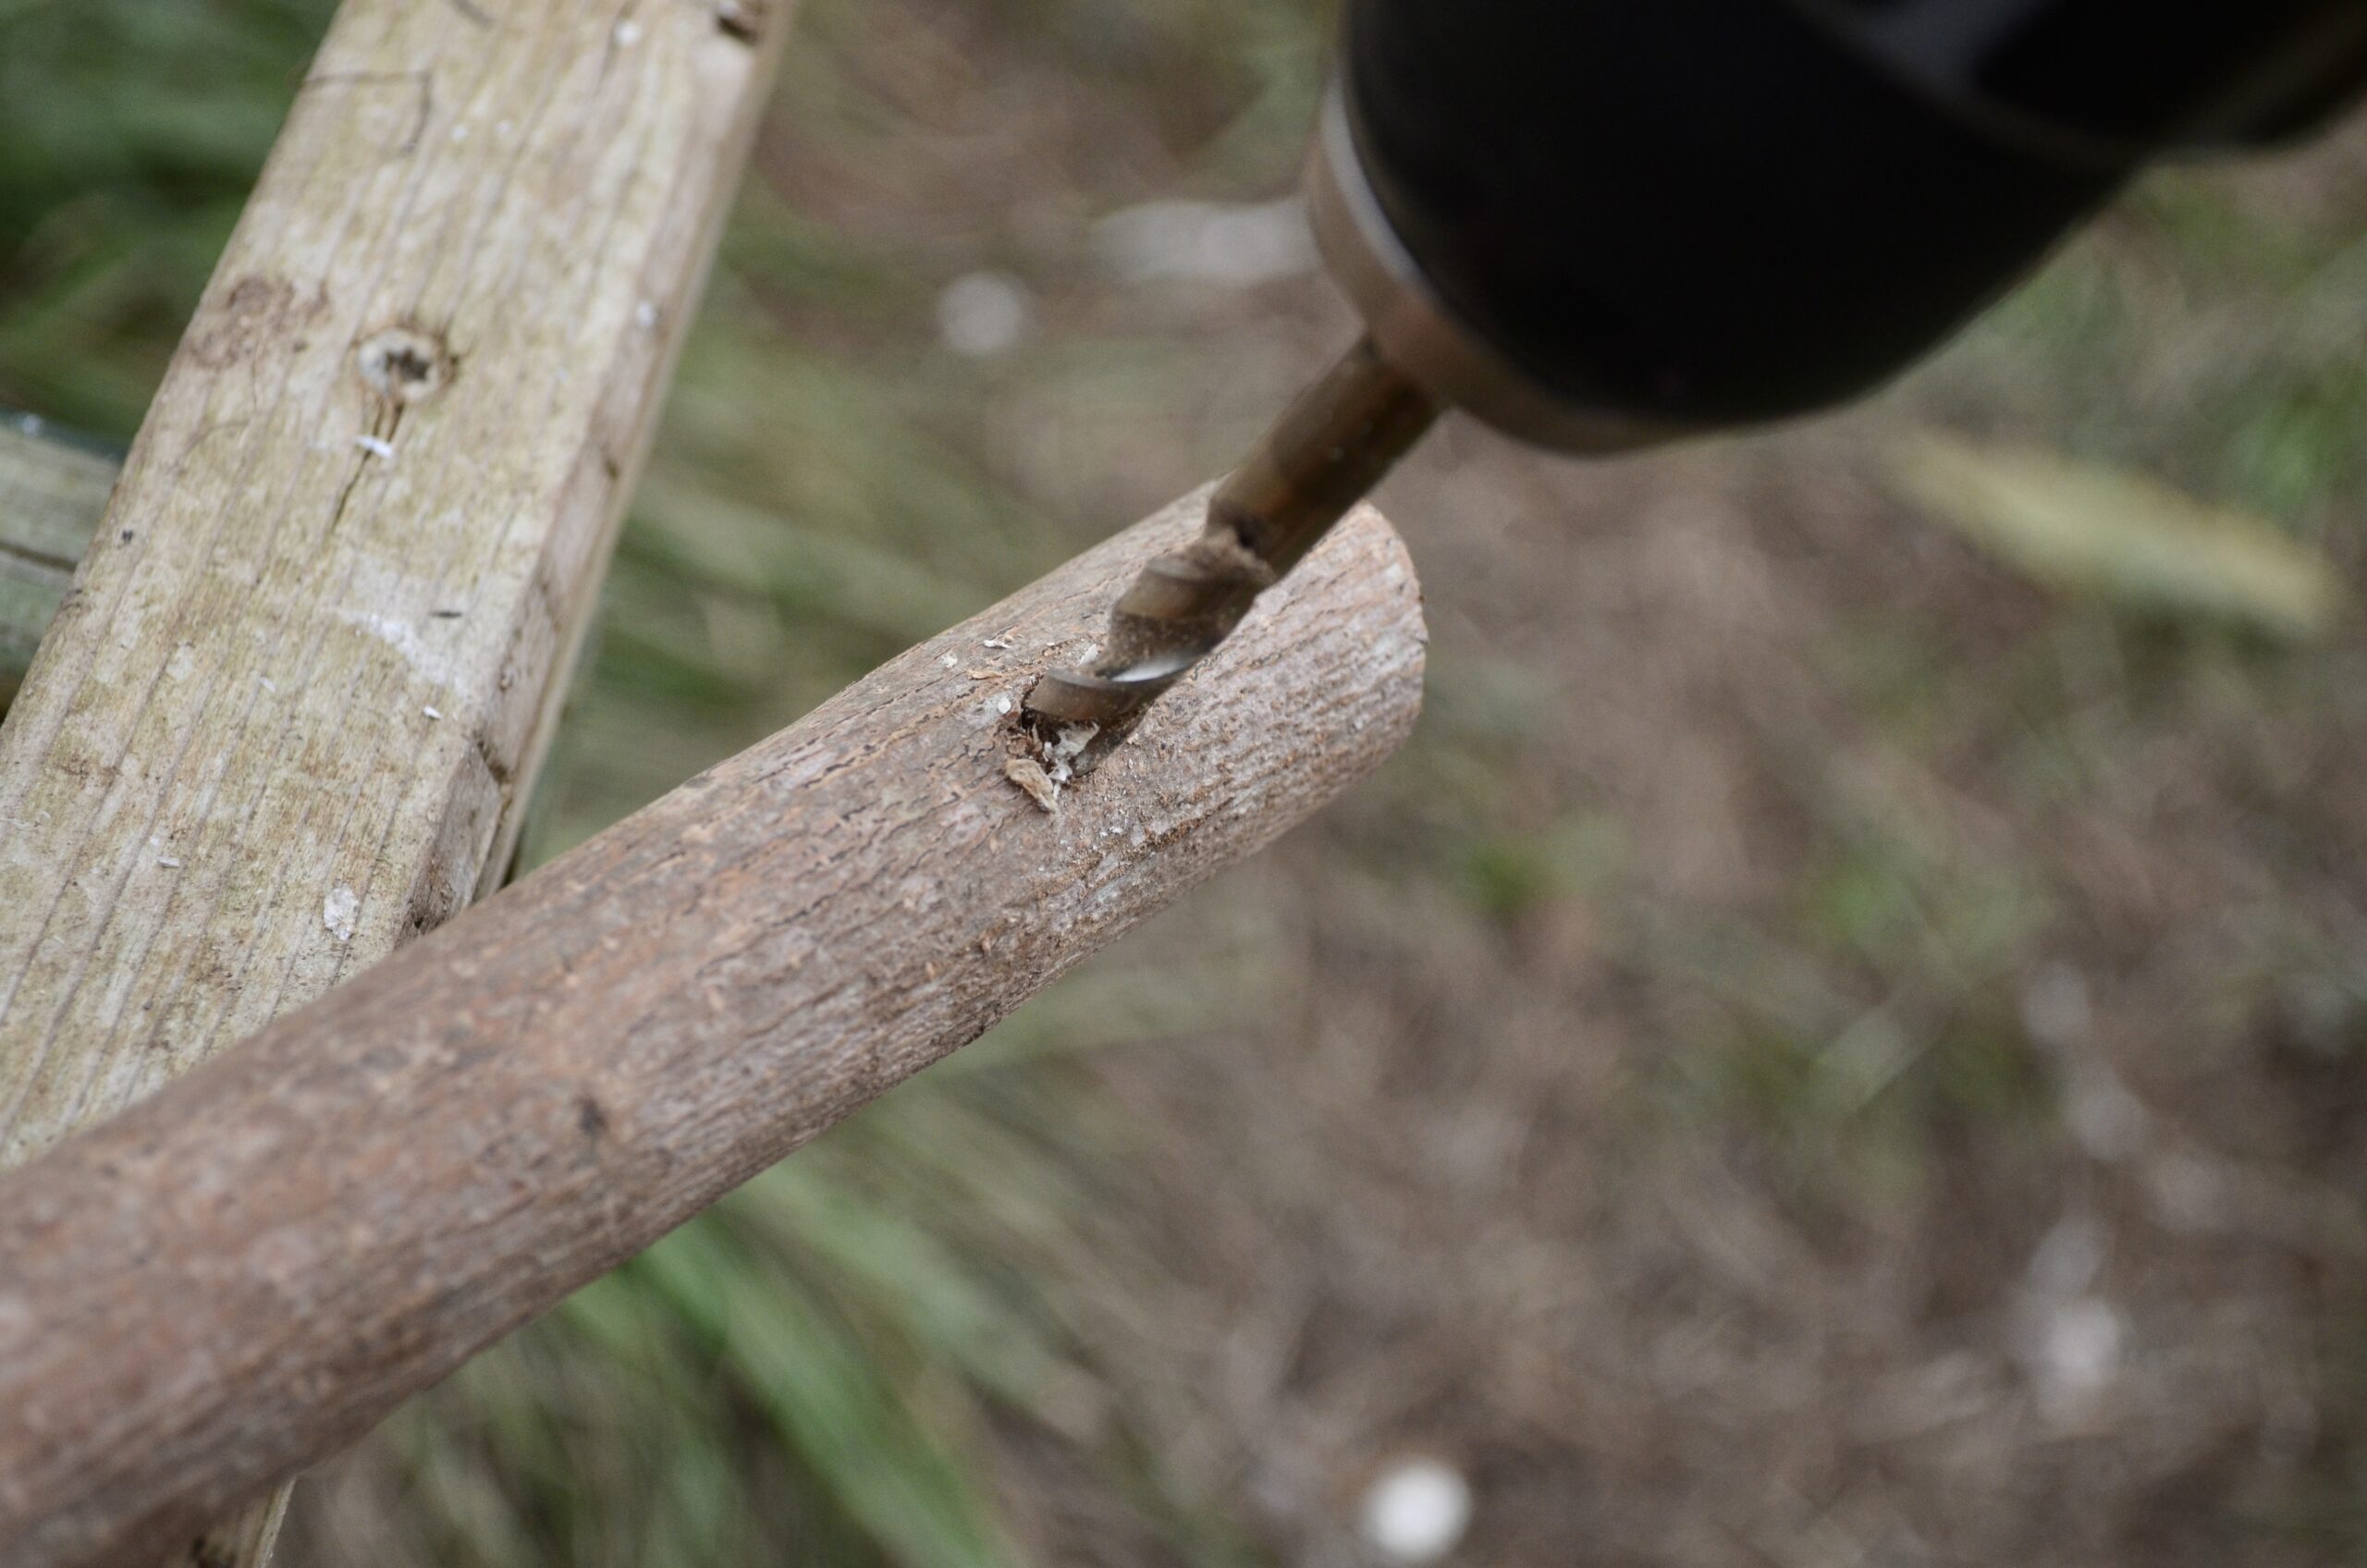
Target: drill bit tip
x=1332 y=447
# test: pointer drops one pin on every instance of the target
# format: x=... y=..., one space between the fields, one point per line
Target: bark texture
x=249 y=1268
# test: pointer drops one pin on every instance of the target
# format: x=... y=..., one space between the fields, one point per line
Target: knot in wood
x=403 y=366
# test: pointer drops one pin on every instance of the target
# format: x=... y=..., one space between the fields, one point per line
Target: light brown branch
x=252 y=1267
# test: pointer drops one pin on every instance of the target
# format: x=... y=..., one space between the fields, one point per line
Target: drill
x=1601 y=224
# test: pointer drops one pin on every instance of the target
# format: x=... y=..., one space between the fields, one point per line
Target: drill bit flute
x=1321 y=457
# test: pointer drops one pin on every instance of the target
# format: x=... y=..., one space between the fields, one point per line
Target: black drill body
x=1602 y=224
x=1702 y=213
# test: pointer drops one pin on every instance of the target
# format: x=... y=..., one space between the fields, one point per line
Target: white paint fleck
x=432 y=711
x=266 y=682
x=949 y=661
x=460 y=130
x=337 y=911
x=628 y=33
x=1002 y=704
x=183 y=664
x=998 y=643
x=1416 y=1511
x=377 y=446
x=645 y=316
x=983 y=313
x=168 y=863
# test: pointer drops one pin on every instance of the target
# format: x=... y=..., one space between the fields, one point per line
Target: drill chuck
x=1597 y=223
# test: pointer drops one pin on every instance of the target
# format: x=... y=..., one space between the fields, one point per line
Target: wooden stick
x=249 y=1268
x=288 y=714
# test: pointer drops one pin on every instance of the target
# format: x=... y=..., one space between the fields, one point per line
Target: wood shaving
x=1029 y=775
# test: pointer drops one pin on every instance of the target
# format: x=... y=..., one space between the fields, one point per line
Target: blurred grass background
x=1845 y=1038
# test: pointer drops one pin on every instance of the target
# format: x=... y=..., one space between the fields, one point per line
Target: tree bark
x=252 y=1266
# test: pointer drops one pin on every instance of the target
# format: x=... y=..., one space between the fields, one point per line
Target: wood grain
x=288 y=715
x=225 y=738
x=249 y=1268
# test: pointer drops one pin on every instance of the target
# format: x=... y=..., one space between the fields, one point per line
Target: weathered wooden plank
x=287 y=715
x=249 y=1268
x=51 y=496
x=282 y=722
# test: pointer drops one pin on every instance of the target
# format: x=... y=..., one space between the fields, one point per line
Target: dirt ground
x=1820 y=1052
x=1700 y=1236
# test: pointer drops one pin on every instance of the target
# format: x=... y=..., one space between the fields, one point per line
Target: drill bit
x=1322 y=456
